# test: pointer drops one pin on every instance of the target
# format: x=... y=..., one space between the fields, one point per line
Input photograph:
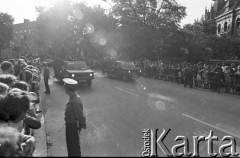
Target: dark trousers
x=217 y=84
x=72 y=139
x=55 y=70
x=27 y=130
x=46 y=84
x=188 y=81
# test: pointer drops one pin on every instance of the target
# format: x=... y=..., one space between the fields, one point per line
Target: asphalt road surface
x=117 y=112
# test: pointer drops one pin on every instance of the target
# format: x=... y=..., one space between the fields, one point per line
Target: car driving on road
x=125 y=70
x=77 y=70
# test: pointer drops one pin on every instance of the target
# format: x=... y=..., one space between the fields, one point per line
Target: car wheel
x=89 y=83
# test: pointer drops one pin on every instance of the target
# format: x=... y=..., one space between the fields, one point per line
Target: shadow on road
x=130 y=81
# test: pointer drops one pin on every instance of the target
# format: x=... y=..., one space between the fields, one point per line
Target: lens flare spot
x=103 y=41
x=78 y=14
x=161 y=106
x=158 y=102
x=112 y=52
x=99 y=37
x=78 y=41
x=90 y=28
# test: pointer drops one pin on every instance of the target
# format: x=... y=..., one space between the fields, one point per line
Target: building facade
x=25 y=38
x=226 y=16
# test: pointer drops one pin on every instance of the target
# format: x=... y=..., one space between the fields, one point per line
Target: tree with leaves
x=6 y=28
x=135 y=28
x=74 y=28
x=204 y=37
x=148 y=26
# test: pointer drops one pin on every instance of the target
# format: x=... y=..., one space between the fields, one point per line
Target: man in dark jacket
x=188 y=76
x=218 y=73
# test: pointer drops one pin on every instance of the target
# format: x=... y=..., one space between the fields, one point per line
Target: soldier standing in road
x=74 y=118
x=46 y=76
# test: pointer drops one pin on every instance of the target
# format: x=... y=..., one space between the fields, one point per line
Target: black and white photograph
x=119 y=78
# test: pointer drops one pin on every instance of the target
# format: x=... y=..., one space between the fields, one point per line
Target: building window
x=225 y=26
x=238 y=23
x=219 y=28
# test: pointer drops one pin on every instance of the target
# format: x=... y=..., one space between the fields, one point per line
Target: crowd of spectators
x=19 y=105
x=220 y=77
x=216 y=77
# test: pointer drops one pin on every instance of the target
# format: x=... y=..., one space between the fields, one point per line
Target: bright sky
x=195 y=9
x=25 y=9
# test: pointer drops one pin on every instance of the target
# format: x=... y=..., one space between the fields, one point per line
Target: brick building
x=226 y=15
x=25 y=38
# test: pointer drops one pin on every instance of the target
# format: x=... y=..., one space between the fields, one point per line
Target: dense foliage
x=205 y=44
x=134 y=28
x=6 y=28
x=148 y=27
x=74 y=29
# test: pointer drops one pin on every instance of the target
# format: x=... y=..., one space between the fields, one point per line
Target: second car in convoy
x=123 y=69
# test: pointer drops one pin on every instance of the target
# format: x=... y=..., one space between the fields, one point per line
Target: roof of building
x=228 y=5
x=25 y=24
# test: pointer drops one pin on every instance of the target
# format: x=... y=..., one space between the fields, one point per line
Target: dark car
x=123 y=69
x=78 y=71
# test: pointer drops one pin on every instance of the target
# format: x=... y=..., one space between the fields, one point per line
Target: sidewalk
x=40 y=134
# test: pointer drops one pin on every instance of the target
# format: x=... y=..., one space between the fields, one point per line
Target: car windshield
x=76 y=66
x=127 y=65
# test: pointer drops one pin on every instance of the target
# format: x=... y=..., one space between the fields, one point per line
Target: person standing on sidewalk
x=46 y=76
x=188 y=76
x=74 y=118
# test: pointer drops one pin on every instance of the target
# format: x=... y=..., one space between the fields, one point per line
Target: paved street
x=118 y=111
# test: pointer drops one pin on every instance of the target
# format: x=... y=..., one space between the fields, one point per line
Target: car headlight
x=91 y=74
x=129 y=71
x=73 y=75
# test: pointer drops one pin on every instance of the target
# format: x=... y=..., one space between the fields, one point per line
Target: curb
x=40 y=135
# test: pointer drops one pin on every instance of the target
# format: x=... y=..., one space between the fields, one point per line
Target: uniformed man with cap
x=74 y=118
x=46 y=76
